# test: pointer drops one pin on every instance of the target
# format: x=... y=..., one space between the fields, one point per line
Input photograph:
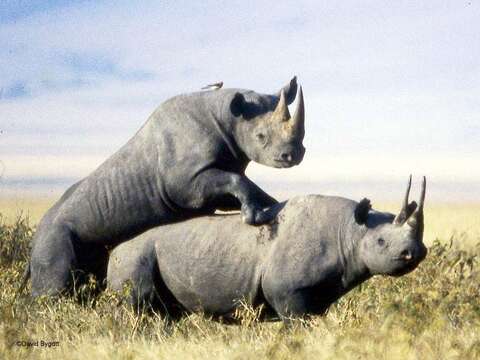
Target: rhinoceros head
x=395 y=247
x=266 y=132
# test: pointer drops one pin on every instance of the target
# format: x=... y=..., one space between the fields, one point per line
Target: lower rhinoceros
x=318 y=248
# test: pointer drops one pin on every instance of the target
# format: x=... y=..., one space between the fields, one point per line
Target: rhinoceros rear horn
x=290 y=91
x=281 y=112
x=416 y=220
x=298 y=120
x=407 y=208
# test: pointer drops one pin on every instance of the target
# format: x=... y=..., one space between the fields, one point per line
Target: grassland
x=432 y=313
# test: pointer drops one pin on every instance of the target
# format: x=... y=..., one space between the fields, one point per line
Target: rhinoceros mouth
x=406 y=266
x=284 y=163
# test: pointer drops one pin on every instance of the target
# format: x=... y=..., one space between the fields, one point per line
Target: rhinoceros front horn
x=416 y=220
x=298 y=120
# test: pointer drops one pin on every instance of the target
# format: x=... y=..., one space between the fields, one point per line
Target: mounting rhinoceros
x=187 y=160
x=317 y=250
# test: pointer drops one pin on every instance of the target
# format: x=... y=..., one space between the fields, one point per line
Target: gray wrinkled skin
x=187 y=160
x=317 y=250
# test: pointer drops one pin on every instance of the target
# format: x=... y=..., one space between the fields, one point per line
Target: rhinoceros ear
x=290 y=91
x=237 y=105
x=361 y=211
x=243 y=106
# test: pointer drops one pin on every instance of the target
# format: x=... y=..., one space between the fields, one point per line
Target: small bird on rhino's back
x=214 y=86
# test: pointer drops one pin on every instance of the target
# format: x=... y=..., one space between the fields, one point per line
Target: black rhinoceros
x=187 y=160
x=318 y=248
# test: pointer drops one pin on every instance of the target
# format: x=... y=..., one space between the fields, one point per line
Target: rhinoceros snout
x=290 y=157
x=409 y=259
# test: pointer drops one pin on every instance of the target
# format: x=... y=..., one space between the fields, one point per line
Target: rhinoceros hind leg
x=53 y=259
x=132 y=271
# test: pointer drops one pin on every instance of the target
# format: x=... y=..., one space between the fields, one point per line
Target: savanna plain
x=432 y=313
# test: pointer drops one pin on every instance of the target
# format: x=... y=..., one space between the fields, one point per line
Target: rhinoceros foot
x=255 y=215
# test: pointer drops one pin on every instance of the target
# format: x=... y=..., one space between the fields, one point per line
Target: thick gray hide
x=317 y=250
x=187 y=160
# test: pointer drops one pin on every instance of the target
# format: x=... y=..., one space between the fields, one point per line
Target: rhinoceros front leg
x=215 y=184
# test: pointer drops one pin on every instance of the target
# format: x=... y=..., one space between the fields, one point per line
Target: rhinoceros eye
x=261 y=137
x=381 y=242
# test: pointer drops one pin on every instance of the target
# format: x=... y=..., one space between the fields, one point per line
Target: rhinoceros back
x=210 y=263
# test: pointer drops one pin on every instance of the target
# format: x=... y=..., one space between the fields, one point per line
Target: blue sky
x=14 y=10
x=390 y=87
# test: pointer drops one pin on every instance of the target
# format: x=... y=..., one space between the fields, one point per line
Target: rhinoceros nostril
x=286 y=157
x=406 y=254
